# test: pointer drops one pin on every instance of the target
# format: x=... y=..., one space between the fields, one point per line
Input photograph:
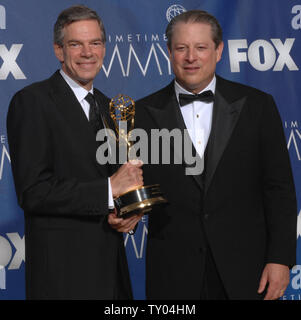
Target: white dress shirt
x=80 y=94
x=197 y=117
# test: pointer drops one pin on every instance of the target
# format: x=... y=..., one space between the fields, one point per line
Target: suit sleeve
x=39 y=190
x=279 y=191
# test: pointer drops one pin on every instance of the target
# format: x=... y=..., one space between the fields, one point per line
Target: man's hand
x=126 y=178
x=123 y=225
x=277 y=276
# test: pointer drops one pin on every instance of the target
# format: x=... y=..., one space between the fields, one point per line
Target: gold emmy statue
x=141 y=199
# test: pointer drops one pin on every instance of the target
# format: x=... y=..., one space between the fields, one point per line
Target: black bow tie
x=206 y=96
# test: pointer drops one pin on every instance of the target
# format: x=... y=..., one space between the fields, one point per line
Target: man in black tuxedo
x=74 y=245
x=228 y=232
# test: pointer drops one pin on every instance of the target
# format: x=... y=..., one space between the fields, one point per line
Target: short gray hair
x=196 y=16
x=72 y=14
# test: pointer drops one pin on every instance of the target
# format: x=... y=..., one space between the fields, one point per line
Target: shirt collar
x=78 y=90
x=179 y=89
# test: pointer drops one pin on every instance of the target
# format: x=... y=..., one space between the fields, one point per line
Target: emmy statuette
x=141 y=199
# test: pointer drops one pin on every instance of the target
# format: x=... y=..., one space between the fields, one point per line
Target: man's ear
x=219 y=51
x=58 y=50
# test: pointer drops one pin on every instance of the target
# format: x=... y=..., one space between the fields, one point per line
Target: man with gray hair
x=73 y=243
x=229 y=232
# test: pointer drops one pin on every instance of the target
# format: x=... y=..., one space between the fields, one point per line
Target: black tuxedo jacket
x=243 y=207
x=71 y=251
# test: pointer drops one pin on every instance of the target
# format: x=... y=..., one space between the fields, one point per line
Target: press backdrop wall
x=262 y=49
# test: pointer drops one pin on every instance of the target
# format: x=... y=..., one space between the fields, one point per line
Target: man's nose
x=190 y=55
x=86 y=50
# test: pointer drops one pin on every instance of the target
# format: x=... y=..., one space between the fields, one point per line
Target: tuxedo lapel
x=225 y=116
x=108 y=123
x=75 y=118
x=167 y=115
x=103 y=102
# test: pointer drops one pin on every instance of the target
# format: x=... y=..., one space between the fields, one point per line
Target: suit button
x=206 y=216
